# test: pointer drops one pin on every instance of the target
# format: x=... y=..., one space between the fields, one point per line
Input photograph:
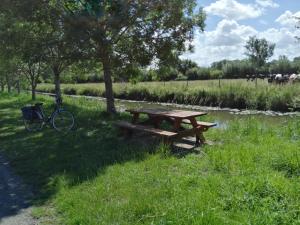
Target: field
x=92 y=176
x=232 y=93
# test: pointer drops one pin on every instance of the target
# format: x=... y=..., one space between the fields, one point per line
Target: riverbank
x=91 y=176
x=238 y=94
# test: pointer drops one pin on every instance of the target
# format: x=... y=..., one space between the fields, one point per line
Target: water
x=217 y=115
x=221 y=116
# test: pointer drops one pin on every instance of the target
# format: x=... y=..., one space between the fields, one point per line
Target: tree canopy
x=140 y=32
x=259 y=50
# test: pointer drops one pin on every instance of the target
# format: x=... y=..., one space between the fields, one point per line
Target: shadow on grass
x=43 y=158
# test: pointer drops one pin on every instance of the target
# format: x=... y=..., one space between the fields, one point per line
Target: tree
x=48 y=21
x=259 y=51
x=8 y=57
x=139 y=32
x=184 y=65
x=283 y=66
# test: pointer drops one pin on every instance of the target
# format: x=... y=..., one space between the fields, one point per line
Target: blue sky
x=230 y=23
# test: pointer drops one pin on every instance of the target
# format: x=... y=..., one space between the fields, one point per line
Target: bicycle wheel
x=63 y=121
x=33 y=125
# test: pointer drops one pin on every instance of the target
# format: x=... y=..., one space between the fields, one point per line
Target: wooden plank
x=148 y=129
x=200 y=123
x=183 y=114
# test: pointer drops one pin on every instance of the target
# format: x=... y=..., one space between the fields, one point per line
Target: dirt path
x=14 y=198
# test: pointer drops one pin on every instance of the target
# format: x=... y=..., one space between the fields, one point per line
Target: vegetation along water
x=231 y=93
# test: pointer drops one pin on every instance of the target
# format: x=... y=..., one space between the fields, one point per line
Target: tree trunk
x=110 y=102
x=8 y=84
x=18 y=86
x=2 y=87
x=33 y=92
x=8 y=87
x=57 y=83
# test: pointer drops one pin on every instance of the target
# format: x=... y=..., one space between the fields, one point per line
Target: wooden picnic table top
x=173 y=113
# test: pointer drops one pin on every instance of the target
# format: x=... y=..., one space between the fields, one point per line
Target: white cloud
x=228 y=33
x=232 y=9
x=227 y=41
x=267 y=3
x=288 y=18
x=284 y=38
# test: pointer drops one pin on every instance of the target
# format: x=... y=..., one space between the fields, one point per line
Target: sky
x=230 y=23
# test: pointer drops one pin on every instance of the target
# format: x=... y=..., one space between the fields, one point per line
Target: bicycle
x=34 y=117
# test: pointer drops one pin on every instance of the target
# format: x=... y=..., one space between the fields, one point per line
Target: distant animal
x=271 y=78
x=294 y=78
x=250 y=77
x=281 y=79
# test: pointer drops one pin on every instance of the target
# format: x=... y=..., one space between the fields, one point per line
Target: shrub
x=70 y=91
x=198 y=73
x=181 y=77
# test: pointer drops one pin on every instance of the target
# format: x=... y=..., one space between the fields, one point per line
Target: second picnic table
x=175 y=117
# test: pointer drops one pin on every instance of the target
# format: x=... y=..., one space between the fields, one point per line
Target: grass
x=91 y=176
x=233 y=93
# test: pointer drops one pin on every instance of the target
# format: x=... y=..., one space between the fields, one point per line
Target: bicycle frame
x=47 y=119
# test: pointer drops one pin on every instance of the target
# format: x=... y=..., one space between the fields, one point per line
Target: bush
x=95 y=78
x=70 y=91
x=198 y=73
x=92 y=92
x=181 y=77
x=216 y=74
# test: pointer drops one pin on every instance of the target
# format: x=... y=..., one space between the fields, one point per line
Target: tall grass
x=91 y=176
x=232 y=93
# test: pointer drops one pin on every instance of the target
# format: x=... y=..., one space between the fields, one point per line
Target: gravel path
x=14 y=198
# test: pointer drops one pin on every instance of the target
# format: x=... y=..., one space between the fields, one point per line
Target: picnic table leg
x=200 y=139
x=154 y=120
x=177 y=124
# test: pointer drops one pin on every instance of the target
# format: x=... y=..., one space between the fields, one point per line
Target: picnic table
x=176 y=118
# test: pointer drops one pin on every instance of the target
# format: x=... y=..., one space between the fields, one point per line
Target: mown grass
x=233 y=93
x=91 y=176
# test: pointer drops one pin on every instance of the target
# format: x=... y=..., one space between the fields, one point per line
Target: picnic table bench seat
x=201 y=123
x=154 y=131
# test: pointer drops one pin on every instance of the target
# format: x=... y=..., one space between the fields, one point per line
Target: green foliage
x=184 y=65
x=238 y=69
x=181 y=77
x=216 y=74
x=166 y=73
x=283 y=66
x=198 y=73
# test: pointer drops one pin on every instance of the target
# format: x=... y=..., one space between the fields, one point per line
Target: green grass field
x=233 y=93
x=91 y=176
